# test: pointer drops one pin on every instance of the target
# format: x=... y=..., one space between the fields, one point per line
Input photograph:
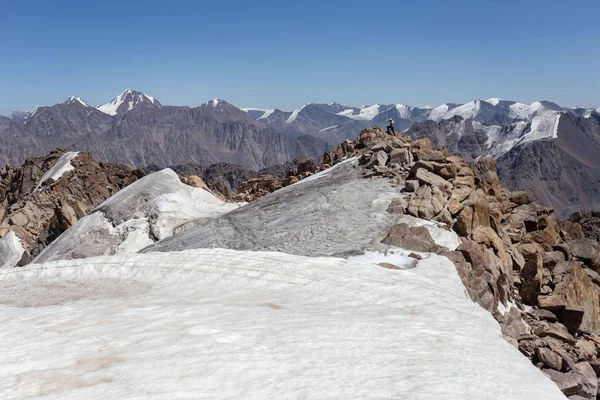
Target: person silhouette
x=390 y=128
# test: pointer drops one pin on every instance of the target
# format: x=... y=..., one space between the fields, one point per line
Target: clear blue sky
x=284 y=54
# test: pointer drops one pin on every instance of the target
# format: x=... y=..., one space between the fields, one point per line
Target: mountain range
x=138 y=130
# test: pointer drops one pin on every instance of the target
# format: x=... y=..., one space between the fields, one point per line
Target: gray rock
x=411 y=185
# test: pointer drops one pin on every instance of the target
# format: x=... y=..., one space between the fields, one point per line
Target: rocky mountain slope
x=135 y=129
x=47 y=195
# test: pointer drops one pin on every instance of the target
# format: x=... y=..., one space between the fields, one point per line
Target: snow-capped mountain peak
x=73 y=99
x=128 y=100
x=404 y=110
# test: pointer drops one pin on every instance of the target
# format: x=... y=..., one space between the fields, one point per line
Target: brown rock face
x=39 y=215
x=575 y=300
x=415 y=238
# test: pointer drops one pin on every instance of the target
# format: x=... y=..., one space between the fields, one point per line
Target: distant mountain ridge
x=136 y=129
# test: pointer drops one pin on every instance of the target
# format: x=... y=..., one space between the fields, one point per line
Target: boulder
x=429 y=178
x=568 y=383
x=421 y=144
x=532 y=273
x=520 y=197
x=478 y=201
x=556 y=331
x=430 y=155
x=588 y=251
x=414 y=238
x=575 y=299
x=411 y=185
x=464 y=222
x=549 y=358
x=401 y=156
x=378 y=159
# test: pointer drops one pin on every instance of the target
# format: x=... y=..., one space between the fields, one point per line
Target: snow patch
x=366 y=113
x=328 y=128
x=62 y=166
x=294 y=115
x=403 y=110
x=267 y=114
x=138 y=326
x=11 y=250
x=494 y=101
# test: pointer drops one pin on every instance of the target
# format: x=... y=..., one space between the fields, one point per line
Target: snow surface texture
x=11 y=250
x=335 y=212
x=62 y=166
x=150 y=209
x=208 y=324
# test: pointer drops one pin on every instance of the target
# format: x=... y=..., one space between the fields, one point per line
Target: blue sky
x=284 y=54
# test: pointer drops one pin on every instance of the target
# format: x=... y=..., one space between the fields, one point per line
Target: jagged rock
x=378 y=159
x=556 y=331
x=568 y=383
x=431 y=155
x=549 y=358
x=485 y=171
x=544 y=315
x=401 y=156
x=431 y=179
x=464 y=222
x=575 y=299
x=415 y=238
x=588 y=251
x=531 y=274
x=446 y=171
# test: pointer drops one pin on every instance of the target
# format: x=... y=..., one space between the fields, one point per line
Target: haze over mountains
x=136 y=129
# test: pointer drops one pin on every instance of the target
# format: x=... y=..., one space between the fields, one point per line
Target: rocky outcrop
x=534 y=272
x=39 y=213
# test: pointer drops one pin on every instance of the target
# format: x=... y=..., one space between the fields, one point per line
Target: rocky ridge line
x=535 y=273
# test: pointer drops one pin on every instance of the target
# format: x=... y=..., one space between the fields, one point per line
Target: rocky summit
x=536 y=273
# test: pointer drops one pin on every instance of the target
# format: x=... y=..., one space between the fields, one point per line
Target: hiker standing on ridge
x=390 y=128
